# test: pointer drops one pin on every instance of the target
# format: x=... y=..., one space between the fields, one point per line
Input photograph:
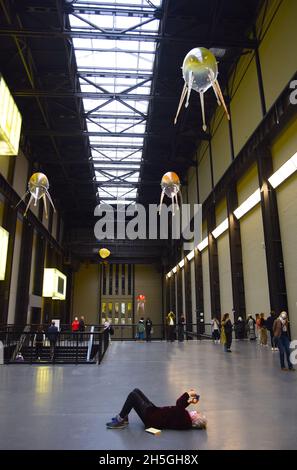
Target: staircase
x=63 y=355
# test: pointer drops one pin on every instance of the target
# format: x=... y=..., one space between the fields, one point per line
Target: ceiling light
x=248 y=204
x=203 y=244
x=174 y=269
x=220 y=228
x=181 y=263
x=286 y=170
x=191 y=255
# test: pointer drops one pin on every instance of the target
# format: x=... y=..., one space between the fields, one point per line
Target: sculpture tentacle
x=161 y=200
x=182 y=97
x=219 y=91
x=204 y=127
x=190 y=83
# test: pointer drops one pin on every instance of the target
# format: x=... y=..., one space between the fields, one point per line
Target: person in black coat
x=81 y=328
x=52 y=334
x=239 y=328
x=181 y=328
x=148 y=329
x=269 y=325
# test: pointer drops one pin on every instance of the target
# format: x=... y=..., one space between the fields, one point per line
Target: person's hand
x=192 y=396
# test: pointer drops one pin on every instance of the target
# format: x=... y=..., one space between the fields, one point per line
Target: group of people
x=144 y=327
x=77 y=326
x=256 y=328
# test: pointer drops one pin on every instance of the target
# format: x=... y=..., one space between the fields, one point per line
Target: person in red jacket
x=165 y=417
x=75 y=325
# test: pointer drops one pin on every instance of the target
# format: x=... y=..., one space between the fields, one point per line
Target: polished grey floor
x=249 y=402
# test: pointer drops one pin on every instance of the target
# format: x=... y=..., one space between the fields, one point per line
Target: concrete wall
x=86 y=293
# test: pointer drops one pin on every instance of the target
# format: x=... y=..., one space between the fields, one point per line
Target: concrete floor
x=249 y=402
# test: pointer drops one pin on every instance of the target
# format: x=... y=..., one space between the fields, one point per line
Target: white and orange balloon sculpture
x=170 y=184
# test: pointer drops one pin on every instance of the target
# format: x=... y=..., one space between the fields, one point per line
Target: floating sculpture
x=200 y=72
x=170 y=185
x=104 y=253
x=38 y=186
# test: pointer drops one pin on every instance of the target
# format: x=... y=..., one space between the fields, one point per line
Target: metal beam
x=221 y=42
x=91 y=95
x=55 y=133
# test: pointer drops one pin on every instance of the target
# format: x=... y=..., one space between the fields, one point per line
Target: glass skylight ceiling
x=115 y=42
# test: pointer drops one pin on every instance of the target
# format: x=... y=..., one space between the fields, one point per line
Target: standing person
x=281 y=335
x=81 y=328
x=258 y=326
x=52 y=334
x=215 y=330
x=171 y=326
x=39 y=338
x=263 y=330
x=148 y=329
x=109 y=328
x=250 y=326
x=165 y=417
x=75 y=325
x=140 y=329
x=269 y=325
x=226 y=337
x=239 y=328
x=181 y=328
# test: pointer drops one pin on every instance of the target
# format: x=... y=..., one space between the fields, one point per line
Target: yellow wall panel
x=15 y=270
x=226 y=295
x=285 y=146
x=254 y=262
x=246 y=110
x=4 y=165
x=148 y=281
x=221 y=150
x=20 y=182
x=206 y=286
x=287 y=208
x=86 y=293
x=278 y=51
x=221 y=211
x=204 y=176
x=248 y=184
x=192 y=186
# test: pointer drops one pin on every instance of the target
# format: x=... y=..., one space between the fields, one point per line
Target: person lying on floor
x=165 y=417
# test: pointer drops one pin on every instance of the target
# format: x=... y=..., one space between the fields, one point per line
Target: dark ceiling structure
x=40 y=45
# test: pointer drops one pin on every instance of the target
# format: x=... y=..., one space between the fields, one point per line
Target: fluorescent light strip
x=181 y=263
x=203 y=244
x=191 y=255
x=248 y=204
x=174 y=269
x=286 y=170
x=169 y=274
x=221 y=228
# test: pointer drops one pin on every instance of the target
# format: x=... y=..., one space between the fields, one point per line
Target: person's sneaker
x=125 y=420
x=284 y=369
x=116 y=424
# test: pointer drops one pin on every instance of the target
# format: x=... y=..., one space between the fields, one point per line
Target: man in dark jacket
x=52 y=334
x=269 y=325
x=165 y=417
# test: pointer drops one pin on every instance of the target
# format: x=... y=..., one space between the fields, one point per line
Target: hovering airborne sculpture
x=170 y=185
x=104 y=253
x=38 y=186
x=141 y=299
x=200 y=72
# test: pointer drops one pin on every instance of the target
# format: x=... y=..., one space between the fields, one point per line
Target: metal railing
x=62 y=348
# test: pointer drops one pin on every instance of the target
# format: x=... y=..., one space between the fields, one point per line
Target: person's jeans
x=139 y=402
x=283 y=344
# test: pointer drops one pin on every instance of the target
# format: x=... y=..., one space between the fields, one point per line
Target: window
x=115 y=44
